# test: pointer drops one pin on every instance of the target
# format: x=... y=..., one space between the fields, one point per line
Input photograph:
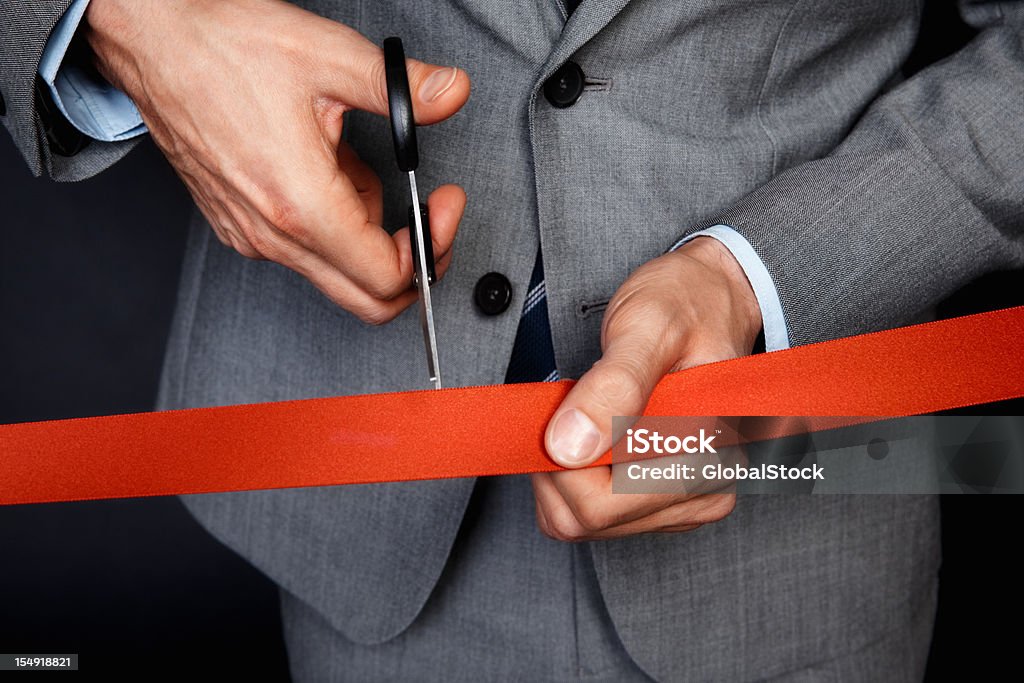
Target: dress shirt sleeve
x=776 y=335
x=89 y=103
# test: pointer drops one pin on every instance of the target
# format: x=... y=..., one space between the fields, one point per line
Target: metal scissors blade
x=403 y=132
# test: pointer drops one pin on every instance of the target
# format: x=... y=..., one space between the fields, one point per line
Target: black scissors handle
x=403 y=125
x=428 y=244
x=403 y=131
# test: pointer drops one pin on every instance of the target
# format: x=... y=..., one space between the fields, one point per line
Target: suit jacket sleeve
x=925 y=194
x=38 y=130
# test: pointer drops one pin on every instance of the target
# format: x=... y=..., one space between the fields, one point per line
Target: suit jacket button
x=492 y=294
x=565 y=86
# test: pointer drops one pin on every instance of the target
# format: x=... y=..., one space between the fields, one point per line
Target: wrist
x=744 y=308
x=112 y=30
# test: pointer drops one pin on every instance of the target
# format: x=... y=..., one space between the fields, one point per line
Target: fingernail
x=438 y=83
x=574 y=438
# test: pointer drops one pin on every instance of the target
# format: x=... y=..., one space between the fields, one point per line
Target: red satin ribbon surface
x=492 y=430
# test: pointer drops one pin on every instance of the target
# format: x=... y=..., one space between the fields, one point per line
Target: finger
x=542 y=519
x=638 y=351
x=342 y=291
x=269 y=242
x=366 y=183
x=353 y=73
x=346 y=294
x=325 y=276
x=559 y=521
x=240 y=223
x=343 y=235
x=588 y=493
x=441 y=267
x=333 y=208
x=682 y=529
x=446 y=205
x=221 y=220
x=441 y=264
x=224 y=216
x=685 y=516
x=323 y=213
x=561 y=517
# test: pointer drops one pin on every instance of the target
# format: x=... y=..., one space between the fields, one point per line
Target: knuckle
x=238 y=244
x=374 y=315
x=727 y=504
x=563 y=526
x=386 y=288
x=377 y=87
x=387 y=281
x=565 y=534
x=651 y=302
x=222 y=238
x=246 y=250
x=618 y=384
x=592 y=517
x=719 y=507
x=338 y=301
x=648 y=310
x=262 y=244
x=542 y=524
x=285 y=217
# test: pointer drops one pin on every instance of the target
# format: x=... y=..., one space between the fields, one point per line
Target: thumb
x=438 y=91
x=619 y=384
x=358 y=81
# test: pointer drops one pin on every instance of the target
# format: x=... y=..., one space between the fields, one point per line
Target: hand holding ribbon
x=687 y=308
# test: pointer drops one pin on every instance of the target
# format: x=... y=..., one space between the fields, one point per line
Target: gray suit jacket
x=868 y=199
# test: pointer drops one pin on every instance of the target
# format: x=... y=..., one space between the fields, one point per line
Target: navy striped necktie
x=533 y=353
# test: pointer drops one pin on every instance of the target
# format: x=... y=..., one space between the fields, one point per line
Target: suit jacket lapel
x=590 y=17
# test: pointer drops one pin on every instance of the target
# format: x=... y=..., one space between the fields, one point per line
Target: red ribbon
x=492 y=430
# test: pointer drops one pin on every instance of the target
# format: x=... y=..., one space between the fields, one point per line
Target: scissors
x=403 y=132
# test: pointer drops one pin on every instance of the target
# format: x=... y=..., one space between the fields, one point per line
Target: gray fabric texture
x=25 y=25
x=922 y=196
x=556 y=629
x=867 y=201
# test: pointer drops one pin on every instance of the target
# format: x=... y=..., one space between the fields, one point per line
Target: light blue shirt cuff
x=92 y=105
x=776 y=335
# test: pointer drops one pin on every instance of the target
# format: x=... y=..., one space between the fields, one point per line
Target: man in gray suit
x=810 y=193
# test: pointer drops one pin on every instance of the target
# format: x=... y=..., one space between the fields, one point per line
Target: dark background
x=88 y=273
x=87 y=284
